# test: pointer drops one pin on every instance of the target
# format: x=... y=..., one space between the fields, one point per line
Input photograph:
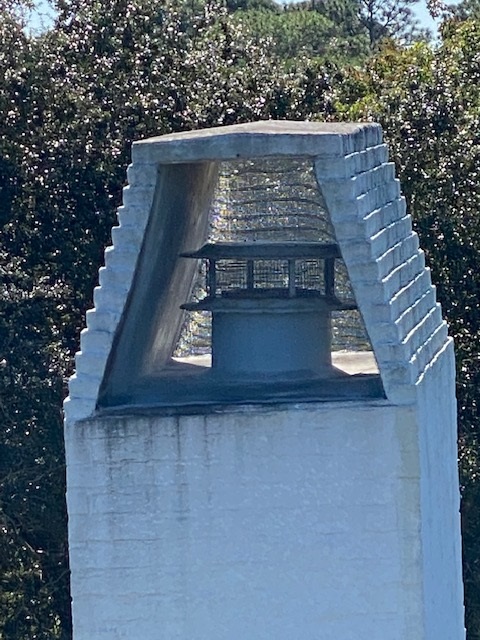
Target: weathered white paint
x=250 y=524
x=440 y=499
x=328 y=520
x=315 y=521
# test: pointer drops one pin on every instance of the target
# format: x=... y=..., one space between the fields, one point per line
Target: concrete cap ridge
x=256 y=139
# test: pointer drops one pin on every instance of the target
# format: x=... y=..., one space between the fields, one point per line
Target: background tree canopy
x=73 y=99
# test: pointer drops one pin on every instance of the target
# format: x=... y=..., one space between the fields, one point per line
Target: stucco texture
x=300 y=522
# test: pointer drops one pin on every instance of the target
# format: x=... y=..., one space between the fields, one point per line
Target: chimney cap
x=259 y=139
x=265 y=251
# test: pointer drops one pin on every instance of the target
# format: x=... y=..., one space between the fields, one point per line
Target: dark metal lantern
x=271 y=305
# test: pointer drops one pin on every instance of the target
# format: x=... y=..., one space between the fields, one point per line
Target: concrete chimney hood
x=271 y=495
x=133 y=328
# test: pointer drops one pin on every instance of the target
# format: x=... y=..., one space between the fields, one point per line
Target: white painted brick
x=364 y=204
x=130 y=527
x=374 y=178
x=396 y=374
x=375 y=136
x=409 y=247
x=385 y=256
x=390 y=235
x=132 y=216
x=394 y=282
x=402 y=275
x=348 y=229
x=414 y=314
x=441 y=355
x=92 y=364
x=85 y=476
x=397 y=255
x=380 y=154
x=383 y=333
x=77 y=409
x=102 y=321
x=78 y=502
x=368 y=136
x=358 y=162
x=334 y=168
x=98 y=298
x=216 y=536
x=358 y=250
x=411 y=293
x=392 y=354
x=113 y=280
x=338 y=194
x=352 y=144
x=352 y=164
x=138 y=197
x=126 y=581
x=366 y=272
x=379 y=197
x=428 y=349
x=400 y=394
x=377 y=219
x=143 y=175
x=84 y=386
x=126 y=502
x=410 y=271
x=402 y=206
x=381 y=311
x=368 y=159
x=108 y=300
x=128 y=237
x=299 y=519
x=95 y=342
x=122 y=258
x=373 y=221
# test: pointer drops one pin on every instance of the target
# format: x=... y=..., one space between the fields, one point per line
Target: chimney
x=261 y=429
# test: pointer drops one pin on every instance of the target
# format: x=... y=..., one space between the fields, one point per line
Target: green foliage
x=341 y=31
x=34 y=594
x=329 y=30
x=304 y=35
x=389 y=19
x=373 y=20
x=467 y=9
x=246 y=5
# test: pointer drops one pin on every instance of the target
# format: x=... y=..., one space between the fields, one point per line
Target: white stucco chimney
x=278 y=490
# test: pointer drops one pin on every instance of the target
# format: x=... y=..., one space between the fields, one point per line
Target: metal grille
x=271 y=274
x=234 y=275
x=274 y=199
x=309 y=274
x=231 y=275
x=277 y=200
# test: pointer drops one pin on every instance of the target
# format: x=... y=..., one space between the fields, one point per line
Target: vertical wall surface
x=262 y=524
x=440 y=500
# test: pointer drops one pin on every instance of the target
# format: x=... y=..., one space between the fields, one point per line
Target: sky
x=424 y=17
